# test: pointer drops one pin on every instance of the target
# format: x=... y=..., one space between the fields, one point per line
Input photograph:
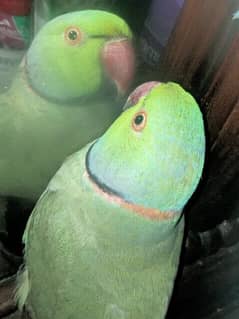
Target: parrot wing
x=46 y=202
x=53 y=213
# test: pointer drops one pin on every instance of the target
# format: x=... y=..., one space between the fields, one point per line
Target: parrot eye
x=73 y=35
x=139 y=121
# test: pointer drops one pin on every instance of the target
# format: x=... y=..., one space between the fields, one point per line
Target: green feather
x=60 y=100
x=171 y=147
x=62 y=71
x=90 y=253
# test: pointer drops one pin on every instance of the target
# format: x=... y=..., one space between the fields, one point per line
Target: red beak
x=119 y=60
x=139 y=92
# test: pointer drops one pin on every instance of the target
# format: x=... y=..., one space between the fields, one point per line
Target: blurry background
x=195 y=43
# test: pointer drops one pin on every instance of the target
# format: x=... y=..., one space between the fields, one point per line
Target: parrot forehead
x=93 y=22
x=171 y=104
x=171 y=95
x=168 y=101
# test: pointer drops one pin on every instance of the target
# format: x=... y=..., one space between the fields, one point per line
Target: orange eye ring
x=73 y=35
x=139 y=121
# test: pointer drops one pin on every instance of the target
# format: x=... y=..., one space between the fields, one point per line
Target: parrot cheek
x=119 y=60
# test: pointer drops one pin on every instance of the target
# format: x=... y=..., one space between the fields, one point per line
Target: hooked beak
x=139 y=92
x=119 y=59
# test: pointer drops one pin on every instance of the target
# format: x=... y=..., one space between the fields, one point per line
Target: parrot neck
x=43 y=89
x=129 y=230
x=121 y=222
x=148 y=213
x=113 y=196
x=116 y=227
x=37 y=124
x=105 y=94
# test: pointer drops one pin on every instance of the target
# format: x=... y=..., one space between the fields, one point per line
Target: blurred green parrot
x=104 y=239
x=63 y=96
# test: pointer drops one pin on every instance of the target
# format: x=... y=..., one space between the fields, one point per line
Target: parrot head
x=78 y=54
x=153 y=154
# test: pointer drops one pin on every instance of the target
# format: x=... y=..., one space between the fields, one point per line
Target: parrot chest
x=40 y=135
x=92 y=259
x=94 y=284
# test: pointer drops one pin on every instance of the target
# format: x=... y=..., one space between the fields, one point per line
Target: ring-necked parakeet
x=63 y=96
x=104 y=240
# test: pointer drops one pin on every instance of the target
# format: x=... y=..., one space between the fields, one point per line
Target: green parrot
x=104 y=239
x=62 y=97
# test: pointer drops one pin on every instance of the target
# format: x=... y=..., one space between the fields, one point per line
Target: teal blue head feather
x=153 y=154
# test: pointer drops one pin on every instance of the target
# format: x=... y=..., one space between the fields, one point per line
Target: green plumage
x=167 y=154
x=60 y=99
x=90 y=251
x=40 y=135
